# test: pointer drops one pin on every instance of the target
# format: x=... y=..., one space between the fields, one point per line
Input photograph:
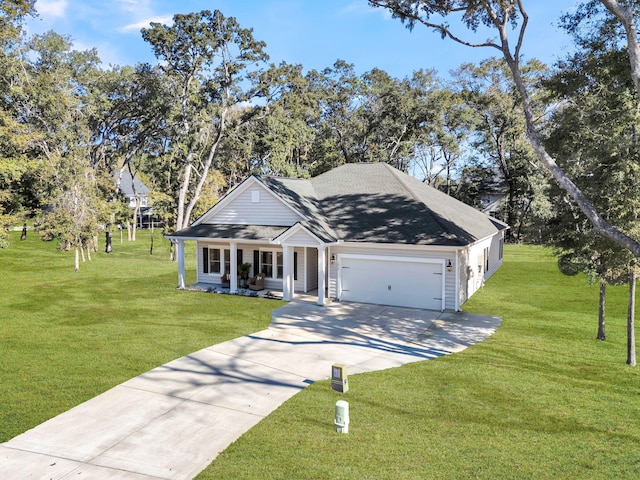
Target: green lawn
x=65 y=337
x=541 y=399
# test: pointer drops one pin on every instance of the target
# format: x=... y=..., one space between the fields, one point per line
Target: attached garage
x=397 y=281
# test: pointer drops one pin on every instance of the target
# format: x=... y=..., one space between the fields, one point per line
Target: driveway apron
x=172 y=421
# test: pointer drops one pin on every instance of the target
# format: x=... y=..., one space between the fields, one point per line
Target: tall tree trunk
x=631 y=339
x=603 y=295
x=205 y=170
x=152 y=231
x=624 y=14
x=76 y=266
x=136 y=215
x=598 y=222
x=181 y=222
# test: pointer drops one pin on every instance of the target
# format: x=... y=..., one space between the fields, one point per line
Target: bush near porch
x=542 y=398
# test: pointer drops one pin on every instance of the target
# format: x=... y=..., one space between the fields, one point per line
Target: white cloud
x=136 y=7
x=51 y=8
x=135 y=27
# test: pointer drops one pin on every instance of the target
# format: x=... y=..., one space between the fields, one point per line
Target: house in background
x=360 y=232
x=130 y=188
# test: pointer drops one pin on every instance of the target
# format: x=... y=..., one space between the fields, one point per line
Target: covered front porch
x=290 y=271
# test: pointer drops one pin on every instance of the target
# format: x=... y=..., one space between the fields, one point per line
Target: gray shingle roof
x=367 y=202
x=223 y=231
x=126 y=185
x=376 y=203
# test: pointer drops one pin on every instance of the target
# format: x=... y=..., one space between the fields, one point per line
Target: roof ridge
x=395 y=172
x=436 y=216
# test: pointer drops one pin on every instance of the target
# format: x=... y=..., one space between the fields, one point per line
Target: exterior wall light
x=449 y=266
x=333 y=258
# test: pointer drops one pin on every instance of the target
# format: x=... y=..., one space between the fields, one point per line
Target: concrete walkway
x=171 y=422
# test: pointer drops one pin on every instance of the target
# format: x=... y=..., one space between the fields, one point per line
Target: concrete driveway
x=172 y=421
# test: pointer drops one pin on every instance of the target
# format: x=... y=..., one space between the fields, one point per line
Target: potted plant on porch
x=243 y=272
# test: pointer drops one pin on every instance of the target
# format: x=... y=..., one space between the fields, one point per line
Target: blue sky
x=313 y=33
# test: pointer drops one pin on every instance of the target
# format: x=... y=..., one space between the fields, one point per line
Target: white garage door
x=391 y=282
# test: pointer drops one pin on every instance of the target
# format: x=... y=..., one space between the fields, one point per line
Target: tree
x=593 y=135
x=14 y=136
x=206 y=55
x=129 y=121
x=443 y=133
x=505 y=17
x=500 y=137
x=54 y=102
x=339 y=130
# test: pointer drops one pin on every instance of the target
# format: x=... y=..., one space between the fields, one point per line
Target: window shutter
x=205 y=260
x=239 y=257
x=256 y=262
x=295 y=265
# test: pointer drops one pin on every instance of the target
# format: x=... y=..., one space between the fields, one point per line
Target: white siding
x=312 y=268
x=302 y=239
x=475 y=271
x=495 y=253
x=242 y=210
x=300 y=285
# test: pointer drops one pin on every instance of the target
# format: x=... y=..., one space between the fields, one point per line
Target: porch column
x=287 y=277
x=180 y=253
x=233 y=267
x=321 y=274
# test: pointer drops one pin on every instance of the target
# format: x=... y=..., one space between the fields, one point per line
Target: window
x=279 y=267
x=214 y=254
x=271 y=263
x=266 y=263
x=501 y=249
x=213 y=260
x=227 y=261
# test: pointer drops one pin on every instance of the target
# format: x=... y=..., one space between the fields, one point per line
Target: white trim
x=180 y=254
x=322 y=277
x=399 y=246
x=389 y=258
x=233 y=267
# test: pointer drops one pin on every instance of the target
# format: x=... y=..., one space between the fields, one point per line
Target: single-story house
x=361 y=232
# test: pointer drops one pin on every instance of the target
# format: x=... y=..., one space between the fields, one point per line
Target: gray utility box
x=339 y=381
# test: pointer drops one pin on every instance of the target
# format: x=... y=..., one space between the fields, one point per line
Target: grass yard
x=541 y=399
x=65 y=337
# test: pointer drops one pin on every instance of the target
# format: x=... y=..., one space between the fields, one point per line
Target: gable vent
x=255 y=196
